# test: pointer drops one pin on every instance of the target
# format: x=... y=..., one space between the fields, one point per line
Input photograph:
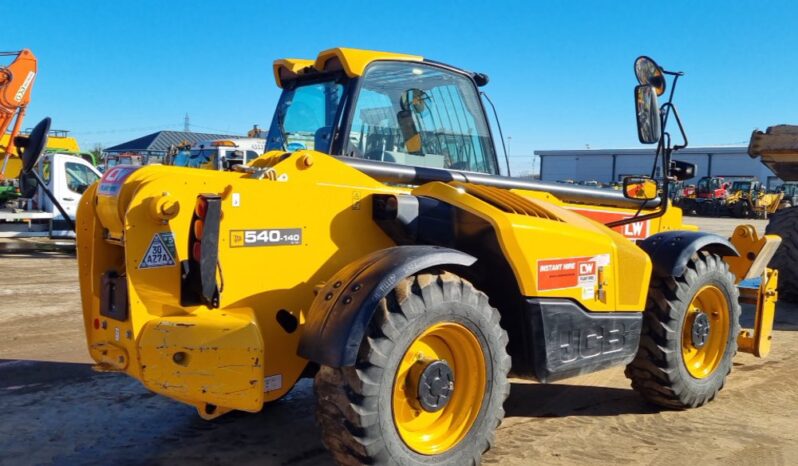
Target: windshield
x=305 y=117
x=420 y=115
x=194 y=158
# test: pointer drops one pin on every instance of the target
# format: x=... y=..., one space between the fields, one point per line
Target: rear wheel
x=429 y=382
x=689 y=337
x=785 y=224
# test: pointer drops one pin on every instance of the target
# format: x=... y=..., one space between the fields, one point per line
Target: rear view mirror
x=682 y=170
x=639 y=188
x=648 y=72
x=649 y=129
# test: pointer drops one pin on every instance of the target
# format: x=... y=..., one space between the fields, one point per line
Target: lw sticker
x=161 y=252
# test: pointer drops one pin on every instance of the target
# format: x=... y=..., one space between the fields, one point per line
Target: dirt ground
x=55 y=410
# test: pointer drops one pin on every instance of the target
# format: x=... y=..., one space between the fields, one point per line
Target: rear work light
x=199 y=285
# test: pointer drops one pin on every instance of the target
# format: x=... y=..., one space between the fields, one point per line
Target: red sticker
x=637 y=230
x=573 y=272
x=112 y=179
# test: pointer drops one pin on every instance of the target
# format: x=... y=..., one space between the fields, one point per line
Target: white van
x=33 y=213
x=220 y=154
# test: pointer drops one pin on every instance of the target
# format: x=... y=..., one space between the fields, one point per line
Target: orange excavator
x=16 y=82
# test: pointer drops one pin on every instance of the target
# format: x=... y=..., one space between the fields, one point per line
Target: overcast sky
x=561 y=72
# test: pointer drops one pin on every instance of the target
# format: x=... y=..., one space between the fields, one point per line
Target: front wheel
x=429 y=382
x=689 y=335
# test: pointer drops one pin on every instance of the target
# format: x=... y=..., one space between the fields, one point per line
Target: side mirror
x=649 y=129
x=648 y=72
x=682 y=170
x=31 y=147
x=640 y=188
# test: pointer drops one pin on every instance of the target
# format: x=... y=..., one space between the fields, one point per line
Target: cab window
x=305 y=117
x=420 y=115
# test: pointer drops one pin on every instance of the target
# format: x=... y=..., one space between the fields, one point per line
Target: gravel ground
x=57 y=411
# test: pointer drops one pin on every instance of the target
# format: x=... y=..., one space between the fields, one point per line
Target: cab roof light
x=223 y=144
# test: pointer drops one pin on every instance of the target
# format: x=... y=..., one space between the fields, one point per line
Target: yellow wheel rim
x=703 y=358
x=431 y=433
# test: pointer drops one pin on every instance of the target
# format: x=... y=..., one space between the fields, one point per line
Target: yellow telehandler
x=390 y=260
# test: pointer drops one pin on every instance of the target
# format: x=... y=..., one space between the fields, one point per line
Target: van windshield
x=194 y=158
x=305 y=117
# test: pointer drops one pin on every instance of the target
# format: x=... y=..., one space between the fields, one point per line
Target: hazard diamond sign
x=160 y=253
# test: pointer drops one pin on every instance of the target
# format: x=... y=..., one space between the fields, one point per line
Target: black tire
x=659 y=372
x=785 y=224
x=354 y=404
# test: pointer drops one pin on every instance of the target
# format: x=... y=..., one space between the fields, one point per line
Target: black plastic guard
x=342 y=310
x=670 y=251
x=113 y=300
x=566 y=341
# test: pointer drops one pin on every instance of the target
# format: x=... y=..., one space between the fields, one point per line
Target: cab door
x=68 y=177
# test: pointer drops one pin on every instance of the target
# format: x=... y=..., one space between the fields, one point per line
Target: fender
x=671 y=250
x=342 y=310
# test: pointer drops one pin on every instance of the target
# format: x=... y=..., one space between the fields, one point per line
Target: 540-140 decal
x=266 y=237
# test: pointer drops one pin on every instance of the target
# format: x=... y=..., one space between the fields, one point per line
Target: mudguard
x=670 y=251
x=341 y=311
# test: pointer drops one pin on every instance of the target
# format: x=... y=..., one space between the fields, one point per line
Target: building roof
x=160 y=141
x=647 y=151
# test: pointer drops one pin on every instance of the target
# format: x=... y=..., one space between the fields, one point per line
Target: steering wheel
x=31 y=147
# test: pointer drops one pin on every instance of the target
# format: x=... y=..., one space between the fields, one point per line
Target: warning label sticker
x=571 y=272
x=160 y=253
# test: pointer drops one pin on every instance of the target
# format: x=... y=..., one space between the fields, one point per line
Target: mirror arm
x=672 y=107
x=664 y=147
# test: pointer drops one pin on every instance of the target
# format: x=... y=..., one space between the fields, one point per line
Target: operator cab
x=398 y=109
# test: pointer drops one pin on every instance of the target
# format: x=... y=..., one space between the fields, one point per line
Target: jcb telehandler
x=392 y=262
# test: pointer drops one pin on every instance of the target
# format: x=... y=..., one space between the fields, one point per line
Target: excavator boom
x=16 y=82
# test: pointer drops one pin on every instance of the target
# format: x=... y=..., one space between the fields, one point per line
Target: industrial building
x=156 y=144
x=606 y=165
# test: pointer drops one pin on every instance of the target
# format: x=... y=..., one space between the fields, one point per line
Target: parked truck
x=46 y=193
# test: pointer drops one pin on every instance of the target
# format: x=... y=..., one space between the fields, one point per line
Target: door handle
x=68 y=199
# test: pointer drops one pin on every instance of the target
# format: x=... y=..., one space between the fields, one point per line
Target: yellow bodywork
x=755 y=254
x=229 y=352
x=352 y=61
